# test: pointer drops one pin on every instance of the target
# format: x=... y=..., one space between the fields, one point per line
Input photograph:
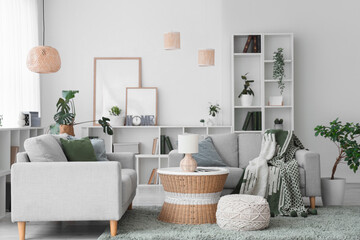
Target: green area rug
x=330 y=223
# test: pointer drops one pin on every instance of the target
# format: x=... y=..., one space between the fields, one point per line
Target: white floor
x=146 y=196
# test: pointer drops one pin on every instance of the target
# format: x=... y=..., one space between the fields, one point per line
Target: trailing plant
x=247 y=90
x=278 y=70
x=278 y=121
x=66 y=113
x=214 y=109
x=115 y=111
x=344 y=136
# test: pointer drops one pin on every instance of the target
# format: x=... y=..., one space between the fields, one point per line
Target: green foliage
x=214 y=109
x=278 y=70
x=247 y=90
x=54 y=128
x=115 y=111
x=344 y=136
x=278 y=121
x=202 y=120
x=104 y=122
x=66 y=108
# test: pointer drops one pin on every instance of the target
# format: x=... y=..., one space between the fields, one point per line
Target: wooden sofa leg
x=130 y=206
x=113 y=227
x=312 y=202
x=21 y=229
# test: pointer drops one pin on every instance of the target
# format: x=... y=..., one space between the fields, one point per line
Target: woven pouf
x=243 y=212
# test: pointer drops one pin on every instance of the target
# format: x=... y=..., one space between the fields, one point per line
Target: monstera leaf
x=69 y=94
x=104 y=122
x=64 y=118
x=62 y=106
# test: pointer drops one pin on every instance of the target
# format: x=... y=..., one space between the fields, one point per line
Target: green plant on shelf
x=115 y=111
x=214 y=109
x=344 y=136
x=247 y=90
x=278 y=121
x=278 y=70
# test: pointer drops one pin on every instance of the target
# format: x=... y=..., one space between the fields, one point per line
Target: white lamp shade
x=188 y=143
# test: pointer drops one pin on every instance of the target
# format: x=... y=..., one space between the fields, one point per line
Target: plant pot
x=276 y=101
x=246 y=100
x=69 y=129
x=279 y=126
x=212 y=121
x=332 y=191
x=117 y=120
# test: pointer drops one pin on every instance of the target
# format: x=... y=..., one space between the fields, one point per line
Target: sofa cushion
x=227 y=147
x=128 y=183
x=249 y=148
x=233 y=177
x=78 y=149
x=207 y=155
x=99 y=149
x=44 y=148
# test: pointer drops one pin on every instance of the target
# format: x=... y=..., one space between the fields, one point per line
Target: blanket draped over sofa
x=275 y=174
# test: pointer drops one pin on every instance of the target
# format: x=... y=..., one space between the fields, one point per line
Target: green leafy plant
x=278 y=121
x=202 y=120
x=214 y=109
x=344 y=136
x=278 y=70
x=247 y=90
x=115 y=111
x=66 y=114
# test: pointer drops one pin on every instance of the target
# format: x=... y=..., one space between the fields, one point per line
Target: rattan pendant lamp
x=43 y=59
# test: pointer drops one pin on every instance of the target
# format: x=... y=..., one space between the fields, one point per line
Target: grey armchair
x=237 y=150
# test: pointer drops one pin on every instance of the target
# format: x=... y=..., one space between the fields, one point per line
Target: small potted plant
x=344 y=136
x=247 y=94
x=202 y=122
x=278 y=124
x=115 y=116
x=214 y=110
x=1 y=118
x=278 y=74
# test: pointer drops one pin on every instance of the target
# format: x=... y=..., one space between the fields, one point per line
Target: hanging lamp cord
x=43 y=22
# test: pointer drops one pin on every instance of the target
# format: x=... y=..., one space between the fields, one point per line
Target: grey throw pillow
x=99 y=148
x=207 y=155
x=44 y=148
x=227 y=147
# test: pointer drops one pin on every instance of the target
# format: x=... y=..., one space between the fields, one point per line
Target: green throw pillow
x=78 y=149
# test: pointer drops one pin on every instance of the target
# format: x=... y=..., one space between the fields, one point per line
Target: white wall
x=326 y=55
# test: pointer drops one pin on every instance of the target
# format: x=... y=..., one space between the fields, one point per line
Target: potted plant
x=247 y=94
x=65 y=116
x=344 y=136
x=278 y=74
x=202 y=122
x=214 y=110
x=115 y=118
x=278 y=124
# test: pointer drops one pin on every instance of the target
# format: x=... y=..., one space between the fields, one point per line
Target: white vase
x=276 y=101
x=212 y=121
x=246 y=100
x=117 y=120
x=332 y=191
x=279 y=126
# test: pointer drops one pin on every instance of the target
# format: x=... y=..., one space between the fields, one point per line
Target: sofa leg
x=113 y=227
x=21 y=229
x=312 y=202
x=130 y=206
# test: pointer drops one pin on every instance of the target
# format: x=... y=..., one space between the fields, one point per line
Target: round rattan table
x=191 y=197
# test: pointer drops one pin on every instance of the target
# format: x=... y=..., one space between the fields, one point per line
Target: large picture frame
x=112 y=75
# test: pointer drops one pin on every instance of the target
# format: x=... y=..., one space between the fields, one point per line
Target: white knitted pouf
x=243 y=212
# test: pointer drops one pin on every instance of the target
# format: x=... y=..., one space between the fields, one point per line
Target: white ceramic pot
x=279 y=126
x=246 y=100
x=212 y=121
x=117 y=120
x=276 y=101
x=332 y=191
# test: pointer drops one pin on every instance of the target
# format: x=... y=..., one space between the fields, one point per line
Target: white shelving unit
x=146 y=161
x=260 y=68
x=11 y=137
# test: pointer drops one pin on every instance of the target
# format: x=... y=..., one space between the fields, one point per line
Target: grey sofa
x=72 y=191
x=237 y=150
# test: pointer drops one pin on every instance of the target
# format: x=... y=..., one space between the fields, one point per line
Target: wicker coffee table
x=191 y=197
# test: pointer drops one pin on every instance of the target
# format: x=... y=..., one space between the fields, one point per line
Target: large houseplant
x=66 y=113
x=344 y=136
x=278 y=74
x=247 y=94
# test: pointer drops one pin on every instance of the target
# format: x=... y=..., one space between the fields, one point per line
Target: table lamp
x=188 y=144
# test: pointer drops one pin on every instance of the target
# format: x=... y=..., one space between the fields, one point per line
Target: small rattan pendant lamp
x=43 y=59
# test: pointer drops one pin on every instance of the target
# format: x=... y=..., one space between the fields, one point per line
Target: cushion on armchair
x=44 y=148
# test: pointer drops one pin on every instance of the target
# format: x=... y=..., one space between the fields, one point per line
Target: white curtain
x=19 y=32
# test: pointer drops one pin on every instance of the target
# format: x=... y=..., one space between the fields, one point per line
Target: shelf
x=248 y=131
x=275 y=81
x=278 y=106
x=247 y=54
x=246 y=107
x=4 y=173
x=271 y=61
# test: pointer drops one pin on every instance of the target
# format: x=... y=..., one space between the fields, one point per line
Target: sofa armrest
x=66 y=191
x=127 y=160
x=310 y=162
x=175 y=158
